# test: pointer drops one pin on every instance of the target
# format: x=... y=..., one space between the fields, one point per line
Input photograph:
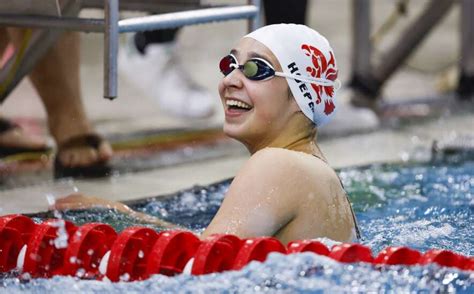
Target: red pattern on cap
x=322 y=69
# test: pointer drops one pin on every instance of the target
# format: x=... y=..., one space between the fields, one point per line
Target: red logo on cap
x=322 y=69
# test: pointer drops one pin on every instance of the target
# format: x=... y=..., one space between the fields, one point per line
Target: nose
x=234 y=79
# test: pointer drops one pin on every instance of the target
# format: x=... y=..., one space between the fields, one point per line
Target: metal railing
x=111 y=26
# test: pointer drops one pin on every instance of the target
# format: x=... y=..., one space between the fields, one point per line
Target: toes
x=18 y=137
x=67 y=158
x=85 y=156
x=105 y=151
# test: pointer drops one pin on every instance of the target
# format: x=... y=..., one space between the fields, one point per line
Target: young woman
x=278 y=88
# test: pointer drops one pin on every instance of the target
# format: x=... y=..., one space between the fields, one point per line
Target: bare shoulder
x=264 y=166
x=270 y=171
x=273 y=156
x=278 y=167
x=260 y=199
x=269 y=192
x=270 y=164
x=284 y=161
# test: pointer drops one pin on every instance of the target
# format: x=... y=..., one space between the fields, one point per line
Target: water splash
x=422 y=206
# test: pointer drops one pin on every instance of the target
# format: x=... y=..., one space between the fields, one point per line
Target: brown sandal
x=95 y=170
x=6 y=126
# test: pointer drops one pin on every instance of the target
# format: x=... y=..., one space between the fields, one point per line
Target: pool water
x=420 y=205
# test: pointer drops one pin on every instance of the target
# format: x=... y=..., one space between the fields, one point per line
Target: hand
x=81 y=201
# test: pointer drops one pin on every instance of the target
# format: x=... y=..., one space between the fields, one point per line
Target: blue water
x=422 y=206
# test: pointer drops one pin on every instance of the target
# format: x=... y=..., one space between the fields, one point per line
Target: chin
x=236 y=131
x=231 y=131
x=242 y=135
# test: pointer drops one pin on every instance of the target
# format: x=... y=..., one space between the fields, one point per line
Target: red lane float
x=216 y=254
x=15 y=232
x=22 y=224
x=171 y=253
x=398 y=255
x=44 y=255
x=468 y=264
x=58 y=247
x=349 y=253
x=441 y=257
x=10 y=247
x=86 y=248
x=308 y=246
x=129 y=254
x=257 y=249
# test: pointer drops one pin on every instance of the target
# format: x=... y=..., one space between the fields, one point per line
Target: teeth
x=238 y=104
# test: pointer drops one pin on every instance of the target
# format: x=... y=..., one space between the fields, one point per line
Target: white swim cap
x=309 y=65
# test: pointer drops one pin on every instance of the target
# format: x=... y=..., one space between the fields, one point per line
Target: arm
x=260 y=200
x=80 y=201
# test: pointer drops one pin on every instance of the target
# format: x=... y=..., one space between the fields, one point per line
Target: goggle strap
x=321 y=82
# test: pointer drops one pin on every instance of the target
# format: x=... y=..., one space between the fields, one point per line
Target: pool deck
x=135 y=111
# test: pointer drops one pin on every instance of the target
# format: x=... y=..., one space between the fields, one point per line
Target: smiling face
x=256 y=112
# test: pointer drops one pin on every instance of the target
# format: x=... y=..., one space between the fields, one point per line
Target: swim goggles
x=258 y=69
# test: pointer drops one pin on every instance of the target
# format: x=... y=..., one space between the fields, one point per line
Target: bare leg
x=56 y=78
x=3 y=40
x=16 y=137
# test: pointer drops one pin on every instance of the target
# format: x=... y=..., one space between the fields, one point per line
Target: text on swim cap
x=302 y=86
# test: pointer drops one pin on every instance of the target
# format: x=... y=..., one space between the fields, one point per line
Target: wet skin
x=286 y=189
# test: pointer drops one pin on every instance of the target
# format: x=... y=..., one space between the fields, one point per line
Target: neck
x=306 y=144
x=296 y=137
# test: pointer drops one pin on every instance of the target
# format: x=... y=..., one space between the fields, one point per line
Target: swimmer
x=278 y=88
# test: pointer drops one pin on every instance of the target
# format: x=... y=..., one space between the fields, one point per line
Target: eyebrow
x=253 y=54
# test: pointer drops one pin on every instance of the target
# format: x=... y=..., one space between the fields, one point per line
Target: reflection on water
x=422 y=206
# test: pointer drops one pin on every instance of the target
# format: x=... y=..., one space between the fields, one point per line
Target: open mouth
x=237 y=106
